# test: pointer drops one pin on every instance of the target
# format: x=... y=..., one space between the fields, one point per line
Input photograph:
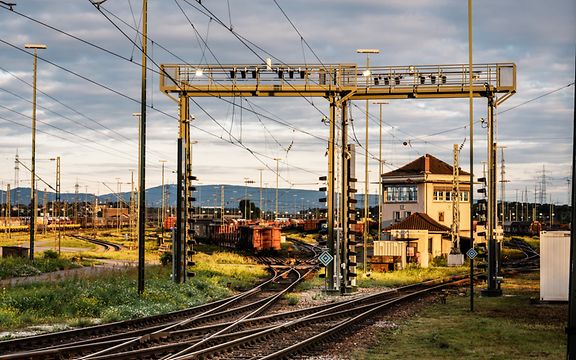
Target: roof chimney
x=427 y=164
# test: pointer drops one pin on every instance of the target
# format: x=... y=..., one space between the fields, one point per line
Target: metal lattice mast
x=163 y=202
x=57 y=203
x=9 y=211
x=133 y=215
x=543 y=186
x=222 y=200
x=455 y=196
x=503 y=182
x=76 y=201
x=17 y=182
x=45 y=209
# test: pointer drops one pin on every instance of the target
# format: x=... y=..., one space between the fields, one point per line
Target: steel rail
x=341 y=308
x=107 y=245
x=370 y=311
x=160 y=332
x=163 y=323
x=232 y=326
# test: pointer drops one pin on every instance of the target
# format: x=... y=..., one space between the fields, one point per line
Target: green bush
x=51 y=254
x=15 y=267
x=438 y=261
x=292 y=299
x=166 y=258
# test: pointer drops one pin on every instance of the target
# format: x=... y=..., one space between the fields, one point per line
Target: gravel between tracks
x=361 y=337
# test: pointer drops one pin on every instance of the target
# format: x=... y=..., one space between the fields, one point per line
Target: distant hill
x=206 y=196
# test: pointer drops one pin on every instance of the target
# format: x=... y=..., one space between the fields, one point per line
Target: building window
x=396 y=216
x=441 y=216
x=401 y=193
x=407 y=213
x=446 y=195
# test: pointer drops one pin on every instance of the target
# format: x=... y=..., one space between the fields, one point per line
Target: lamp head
x=35 y=46
x=368 y=51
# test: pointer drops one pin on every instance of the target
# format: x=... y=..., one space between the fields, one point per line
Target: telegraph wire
x=536 y=98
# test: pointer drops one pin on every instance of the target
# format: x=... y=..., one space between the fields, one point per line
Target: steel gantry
x=339 y=84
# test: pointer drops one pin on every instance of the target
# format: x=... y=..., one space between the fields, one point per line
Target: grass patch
x=407 y=276
x=112 y=296
x=15 y=267
x=507 y=327
x=291 y=299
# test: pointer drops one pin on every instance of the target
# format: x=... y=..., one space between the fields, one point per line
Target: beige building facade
x=425 y=186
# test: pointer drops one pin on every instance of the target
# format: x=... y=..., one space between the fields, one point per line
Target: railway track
x=107 y=245
x=295 y=334
x=531 y=256
x=169 y=332
x=255 y=332
x=304 y=254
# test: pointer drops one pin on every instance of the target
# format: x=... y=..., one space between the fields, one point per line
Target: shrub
x=292 y=299
x=439 y=261
x=166 y=258
x=51 y=254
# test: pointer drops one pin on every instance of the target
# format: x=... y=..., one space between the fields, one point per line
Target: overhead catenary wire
x=126 y=97
x=107 y=51
x=206 y=47
x=302 y=39
x=61 y=103
x=115 y=154
x=53 y=126
x=252 y=152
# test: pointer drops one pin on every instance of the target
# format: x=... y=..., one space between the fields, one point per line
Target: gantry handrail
x=422 y=81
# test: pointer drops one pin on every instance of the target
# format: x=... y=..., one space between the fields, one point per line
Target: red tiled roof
x=426 y=163
x=419 y=221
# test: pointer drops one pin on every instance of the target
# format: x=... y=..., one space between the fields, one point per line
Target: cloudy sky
x=89 y=87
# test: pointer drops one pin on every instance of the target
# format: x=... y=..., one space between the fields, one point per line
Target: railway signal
x=322 y=189
x=190 y=241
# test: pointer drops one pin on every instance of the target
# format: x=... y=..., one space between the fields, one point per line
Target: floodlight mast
x=339 y=83
x=366 y=230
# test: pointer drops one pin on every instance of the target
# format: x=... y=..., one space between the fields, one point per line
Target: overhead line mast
x=340 y=83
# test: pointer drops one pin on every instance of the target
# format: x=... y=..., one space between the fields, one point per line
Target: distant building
x=425 y=186
x=416 y=239
x=112 y=216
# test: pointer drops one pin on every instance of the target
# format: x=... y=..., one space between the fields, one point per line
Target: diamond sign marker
x=472 y=253
x=325 y=258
